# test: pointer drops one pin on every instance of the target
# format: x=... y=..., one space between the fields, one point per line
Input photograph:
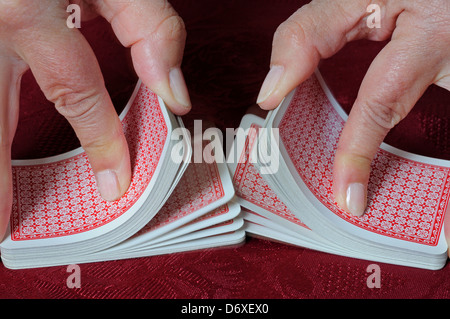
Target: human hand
x=34 y=35
x=417 y=55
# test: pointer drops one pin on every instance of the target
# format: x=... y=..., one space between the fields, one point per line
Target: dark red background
x=226 y=59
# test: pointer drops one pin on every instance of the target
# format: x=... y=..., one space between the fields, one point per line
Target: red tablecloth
x=226 y=59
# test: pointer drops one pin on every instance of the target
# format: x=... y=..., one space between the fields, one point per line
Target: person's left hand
x=35 y=35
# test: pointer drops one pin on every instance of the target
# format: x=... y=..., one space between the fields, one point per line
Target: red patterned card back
x=406 y=199
x=61 y=198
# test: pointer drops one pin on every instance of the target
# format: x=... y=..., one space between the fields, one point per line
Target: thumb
x=156 y=35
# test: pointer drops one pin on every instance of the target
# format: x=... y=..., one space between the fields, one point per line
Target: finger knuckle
x=100 y=144
x=302 y=30
x=74 y=104
x=172 y=28
x=384 y=115
x=430 y=17
x=291 y=31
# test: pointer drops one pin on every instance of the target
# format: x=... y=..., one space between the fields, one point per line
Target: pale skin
x=34 y=35
x=417 y=56
x=37 y=38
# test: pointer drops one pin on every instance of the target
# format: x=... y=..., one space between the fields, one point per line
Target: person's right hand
x=417 y=56
x=34 y=35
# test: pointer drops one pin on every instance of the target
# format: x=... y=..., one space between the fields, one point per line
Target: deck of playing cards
x=172 y=205
x=283 y=180
x=276 y=183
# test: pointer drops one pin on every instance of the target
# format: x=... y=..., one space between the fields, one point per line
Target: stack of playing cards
x=283 y=180
x=172 y=205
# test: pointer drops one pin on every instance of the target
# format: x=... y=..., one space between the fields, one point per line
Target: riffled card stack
x=172 y=205
x=289 y=198
x=275 y=184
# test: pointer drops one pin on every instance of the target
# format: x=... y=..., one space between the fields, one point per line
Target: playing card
x=266 y=213
x=259 y=226
x=56 y=203
x=252 y=190
x=221 y=240
x=224 y=213
x=201 y=194
x=255 y=218
x=58 y=196
x=225 y=227
x=408 y=193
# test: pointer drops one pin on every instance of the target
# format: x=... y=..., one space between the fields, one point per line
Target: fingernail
x=108 y=185
x=270 y=83
x=178 y=86
x=356 y=199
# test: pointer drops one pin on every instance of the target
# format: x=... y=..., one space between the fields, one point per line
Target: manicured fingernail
x=356 y=199
x=178 y=86
x=108 y=185
x=270 y=83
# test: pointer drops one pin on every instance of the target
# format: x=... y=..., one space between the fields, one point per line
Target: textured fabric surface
x=226 y=59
